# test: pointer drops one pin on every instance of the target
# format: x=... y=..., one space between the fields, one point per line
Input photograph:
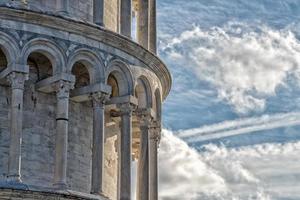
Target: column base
x=60 y=186
x=13 y=178
x=11 y=184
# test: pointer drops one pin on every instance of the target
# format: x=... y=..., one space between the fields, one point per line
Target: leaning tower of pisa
x=81 y=91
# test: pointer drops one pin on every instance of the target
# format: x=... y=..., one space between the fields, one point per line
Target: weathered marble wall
x=38 y=147
x=82 y=9
x=111 y=16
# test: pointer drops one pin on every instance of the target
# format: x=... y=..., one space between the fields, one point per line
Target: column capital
x=63 y=88
x=99 y=99
x=155 y=133
x=126 y=108
x=145 y=118
x=17 y=80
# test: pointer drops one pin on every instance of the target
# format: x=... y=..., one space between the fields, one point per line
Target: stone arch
x=143 y=92
x=157 y=104
x=44 y=59
x=9 y=48
x=47 y=48
x=120 y=73
x=90 y=61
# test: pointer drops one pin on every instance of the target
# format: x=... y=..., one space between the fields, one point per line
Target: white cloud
x=258 y=172
x=245 y=64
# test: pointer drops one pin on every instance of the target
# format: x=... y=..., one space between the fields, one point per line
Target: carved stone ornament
x=99 y=99
x=127 y=109
x=17 y=80
x=63 y=88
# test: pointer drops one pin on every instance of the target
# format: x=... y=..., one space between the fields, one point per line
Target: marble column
x=153 y=168
x=143 y=23
x=61 y=143
x=152 y=27
x=125 y=152
x=125 y=18
x=17 y=81
x=98 y=142
x=98 y=15
x=143 y=164
x=63 y=6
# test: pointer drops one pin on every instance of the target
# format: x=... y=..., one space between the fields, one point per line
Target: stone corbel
x=13 y=67
x=83 y=94
x=126 y=104
x=46 y=85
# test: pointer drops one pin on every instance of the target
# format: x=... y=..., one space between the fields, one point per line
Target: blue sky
x=197 y=98
x=232 y=118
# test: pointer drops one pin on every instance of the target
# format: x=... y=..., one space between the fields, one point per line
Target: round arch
x=122 y=75
x=9 y=47
x=143 y=92
x=91 y=61
x=47 y=48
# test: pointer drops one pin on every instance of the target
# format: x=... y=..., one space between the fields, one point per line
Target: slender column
x=98 y=143
x=143 y=165
x=62 y=122
x=125 y=152
x=143 y=23
x=17 y=81
x=63 y=6
x=153 y=169
x=98 y=6
x=125 y=18
x=152 y=27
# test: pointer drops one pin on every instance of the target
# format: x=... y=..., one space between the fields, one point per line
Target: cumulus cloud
x=246 y=64
x=258 y=172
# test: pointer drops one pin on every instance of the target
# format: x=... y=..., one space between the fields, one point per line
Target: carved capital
x=155 y=132
x=145 y=119
x=154 y=135
x=127 y=109
x=99 y=99
x=17 y=80
x=63 y=88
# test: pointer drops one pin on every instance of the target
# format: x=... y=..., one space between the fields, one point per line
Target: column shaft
x=61 y=143
x=126 y=153
x=63 y=6
x=98 y=146
x=153 y=182
x=143 y=165
x=152 y=27
x=143 y=23
x=16 y=120
x=125 y=18
x=98 y=6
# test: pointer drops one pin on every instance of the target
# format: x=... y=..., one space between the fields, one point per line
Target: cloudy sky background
x=232 y=119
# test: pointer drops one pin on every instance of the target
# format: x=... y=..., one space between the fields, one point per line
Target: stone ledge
x=17 y=194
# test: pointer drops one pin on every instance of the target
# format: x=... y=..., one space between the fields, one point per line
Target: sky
x=232 y=118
